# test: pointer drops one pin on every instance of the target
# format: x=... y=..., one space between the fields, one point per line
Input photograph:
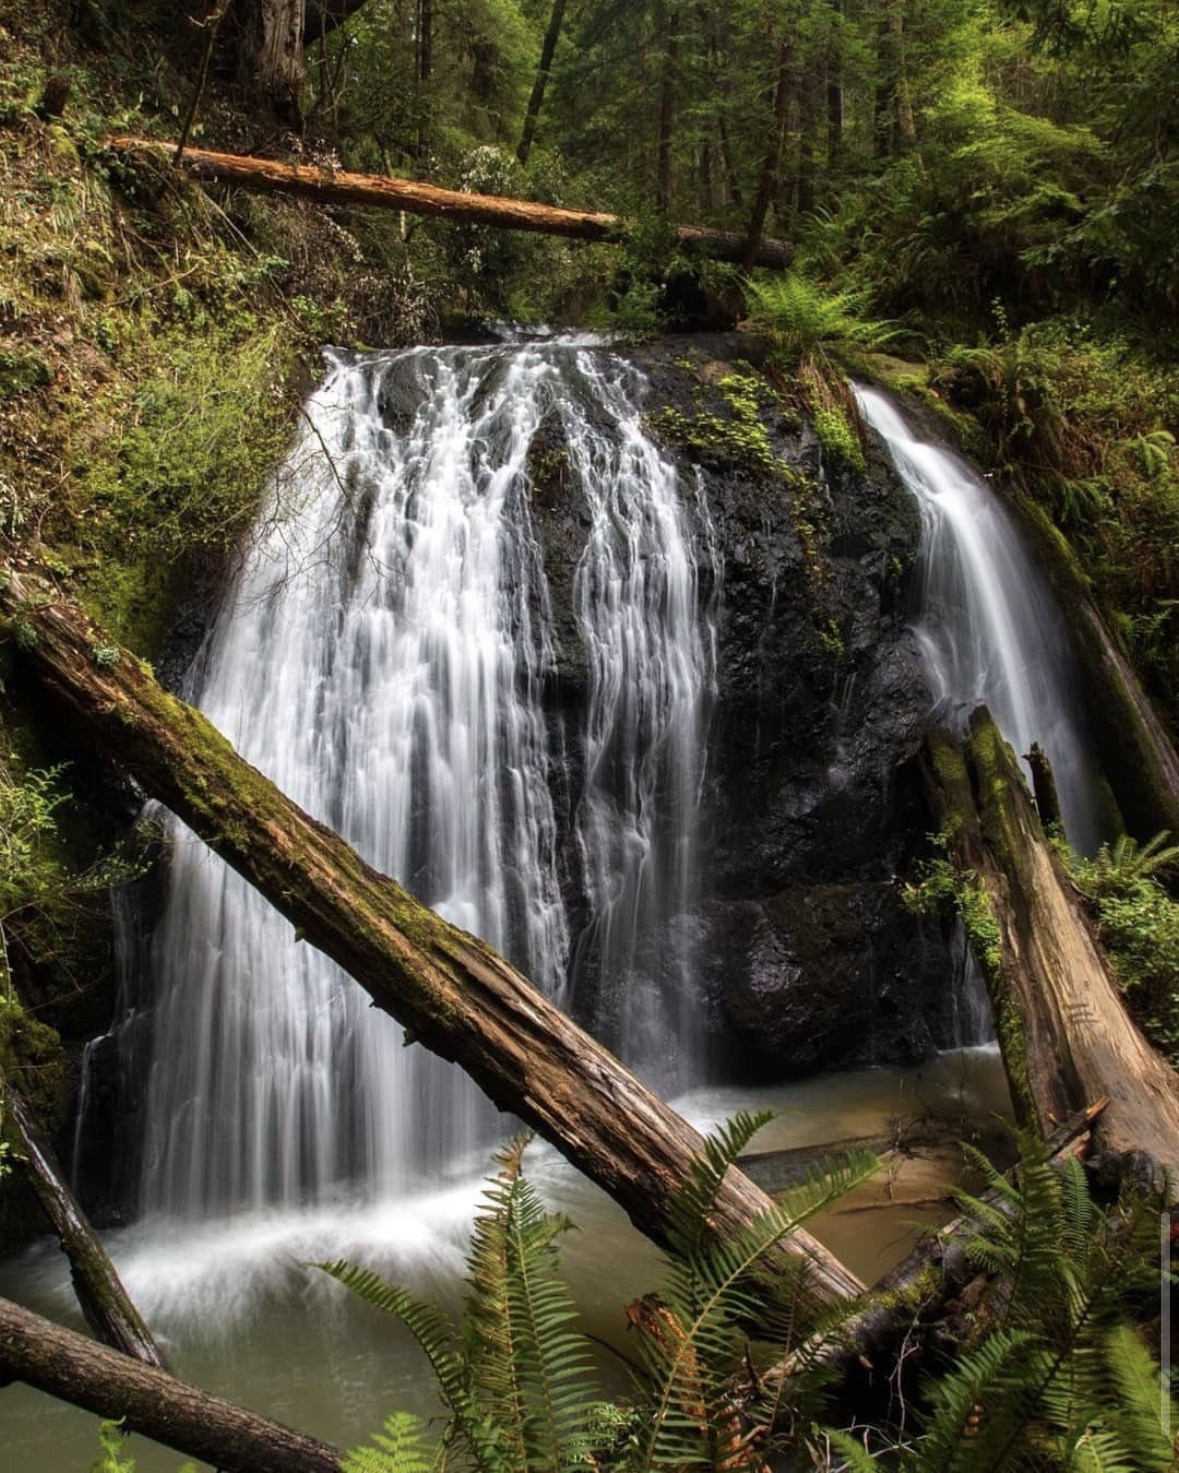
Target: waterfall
x=651 y=669
x=989 y=626
x=384 y=658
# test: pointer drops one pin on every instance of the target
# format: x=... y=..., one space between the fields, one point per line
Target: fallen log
x=378 y=191
x=105 y=1303
x=148 y=1400
x=1062 y=1026
x=937 y=1267
x=453 y=993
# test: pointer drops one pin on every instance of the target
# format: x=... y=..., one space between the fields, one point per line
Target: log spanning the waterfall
x=453 y=993
x=1065 y=1034
x=148 y=1400
x=380 y=191
x=108 y=1308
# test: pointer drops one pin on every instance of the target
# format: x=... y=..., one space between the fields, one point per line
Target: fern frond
x=707 y=1295
x=399 y=1448
x=1096 y=1451
x=854 y=1455
x=985 y=1376
x=1145 y=1411
x=437 y=1338
x=690 y=1207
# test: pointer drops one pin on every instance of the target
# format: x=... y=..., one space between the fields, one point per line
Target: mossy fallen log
x=1064 y=1031
x=379 y=191
x=453 y=994
x=148 y=1400
x=105 y=1303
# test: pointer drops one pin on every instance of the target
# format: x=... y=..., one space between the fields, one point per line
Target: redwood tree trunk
x=272 y=57
x=773 y=157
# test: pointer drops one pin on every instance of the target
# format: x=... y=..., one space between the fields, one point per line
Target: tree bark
x=670 y=25
x=1044 y=787
x=1065 y=1034
x=772 y=160
x=148 y=1400
x=272 y=60
x=536 y=101
x=453 y=994
x=107 y=1306
x=377 y=191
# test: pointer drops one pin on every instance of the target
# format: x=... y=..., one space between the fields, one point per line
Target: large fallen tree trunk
x=1065 y=1034
x=378 y=191
x=108 y=1308
x=453 y=993
x=148 y=1400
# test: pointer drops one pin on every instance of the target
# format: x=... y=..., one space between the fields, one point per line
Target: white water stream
x=989 y=625
x=383 y=658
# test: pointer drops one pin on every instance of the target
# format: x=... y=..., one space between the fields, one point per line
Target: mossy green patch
x=22 y=369
x=134 y=600
x=841 y=446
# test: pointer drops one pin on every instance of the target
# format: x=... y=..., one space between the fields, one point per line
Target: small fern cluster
x=1058 y=1377
x=515 y=1375
x=1139 y=923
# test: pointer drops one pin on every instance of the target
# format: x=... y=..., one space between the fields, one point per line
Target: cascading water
x=383 y=658
x=651 y=669
x=991 y=633
x=989 y=626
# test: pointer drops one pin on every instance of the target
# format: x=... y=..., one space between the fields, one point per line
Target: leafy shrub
x=1139 y=923
x=803 y=321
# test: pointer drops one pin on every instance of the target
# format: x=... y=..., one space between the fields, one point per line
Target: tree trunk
x=452 y=993
x=772 y=159
x=544 y=66
x=107 y=1306
x=150 y=1401
x=272 y=60
x=1065 y=1034
x=834 y=89
x=670 y=25
x=1044 y=788
x=379 y=192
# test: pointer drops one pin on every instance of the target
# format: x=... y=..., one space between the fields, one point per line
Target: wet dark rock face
x=808 y=959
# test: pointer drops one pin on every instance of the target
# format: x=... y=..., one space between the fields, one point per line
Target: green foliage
x=739 y=437
x=110 y=1457
x=1139 y=924
x=697 y=1344
x=399 y=1448
x=941 y=886
x=841 y=446
x=515 y=1374
x=21 y=370
x=804 y=321
x=1058 y=1374
x=202 y=435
